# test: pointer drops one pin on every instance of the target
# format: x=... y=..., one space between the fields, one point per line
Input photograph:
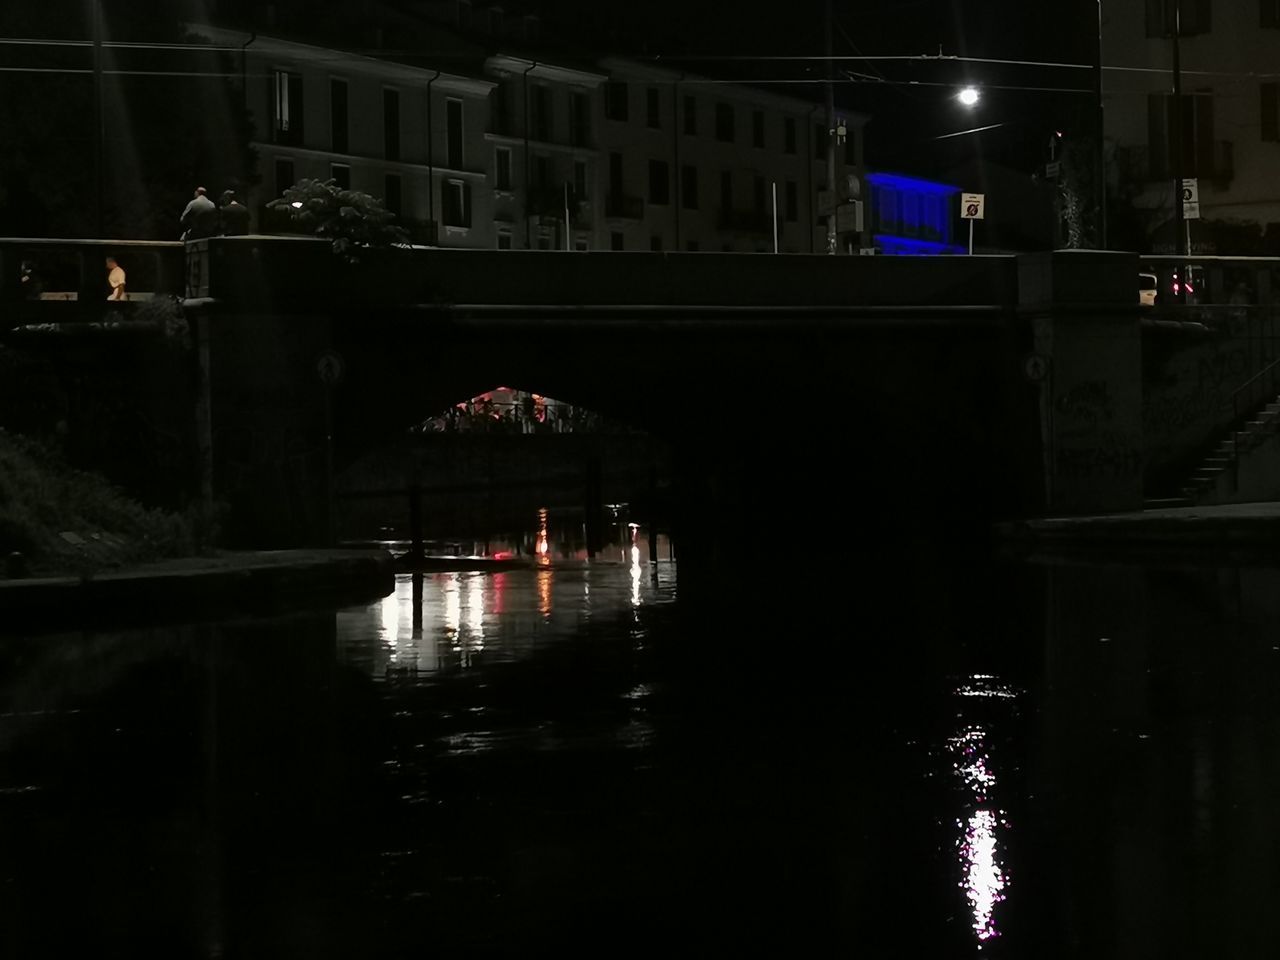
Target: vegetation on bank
x=65 y=521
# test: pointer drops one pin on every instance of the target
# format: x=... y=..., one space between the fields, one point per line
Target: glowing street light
x=969 y=96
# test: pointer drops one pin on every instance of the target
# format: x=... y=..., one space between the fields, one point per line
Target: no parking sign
x=971 y=205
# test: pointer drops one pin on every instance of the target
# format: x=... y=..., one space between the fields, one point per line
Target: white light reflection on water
x=983 y=875
x=635 y=575
x=465 y=619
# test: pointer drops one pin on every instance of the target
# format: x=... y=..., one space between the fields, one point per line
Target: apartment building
x=509 y=145
x=1230 y=113
x=697 y=164
x=413 y=136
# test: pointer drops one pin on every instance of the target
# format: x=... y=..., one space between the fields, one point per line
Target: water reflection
x=451 y=620
x=984 y=875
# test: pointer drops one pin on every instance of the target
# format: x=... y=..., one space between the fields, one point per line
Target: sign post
x=1190 y=205
x=972 y=207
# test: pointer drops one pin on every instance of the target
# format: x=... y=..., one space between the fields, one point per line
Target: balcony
x=619 y=206
x=548 y=203
x=745 y=221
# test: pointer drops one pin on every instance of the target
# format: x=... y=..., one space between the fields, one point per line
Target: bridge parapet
x=298 y=274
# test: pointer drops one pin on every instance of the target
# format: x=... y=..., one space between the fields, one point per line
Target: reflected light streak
x=984 y=880
x=475 y=609
x=390 y=618
x=452 y=607
x=544 y=593
x=635 y=576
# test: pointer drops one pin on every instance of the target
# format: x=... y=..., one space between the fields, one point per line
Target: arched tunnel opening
x=508 y=473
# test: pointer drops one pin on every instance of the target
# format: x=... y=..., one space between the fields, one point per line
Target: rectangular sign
x=1053 y=170
x=971 y=206
x=1191 y=210
x=1191 y=190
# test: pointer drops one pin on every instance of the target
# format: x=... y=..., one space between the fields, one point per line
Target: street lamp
x=969 y=96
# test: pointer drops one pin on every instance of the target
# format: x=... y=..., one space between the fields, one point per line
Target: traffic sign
x=331 y=367
x=1191 y=199
x=1053 y=169
x=971 y=206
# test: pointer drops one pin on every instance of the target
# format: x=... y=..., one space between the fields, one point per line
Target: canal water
x=854 y=753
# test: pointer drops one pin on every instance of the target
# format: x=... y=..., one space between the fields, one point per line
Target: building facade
x=1225 y=133
x=519 y=151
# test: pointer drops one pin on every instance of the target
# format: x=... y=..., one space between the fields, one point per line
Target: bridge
x=890 y=392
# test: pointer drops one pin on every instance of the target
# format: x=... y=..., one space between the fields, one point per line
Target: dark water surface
x=911 y=757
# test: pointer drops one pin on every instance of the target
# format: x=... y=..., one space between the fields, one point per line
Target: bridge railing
x=51 y=280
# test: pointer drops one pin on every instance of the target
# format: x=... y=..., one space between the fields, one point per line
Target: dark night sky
x=905 y=117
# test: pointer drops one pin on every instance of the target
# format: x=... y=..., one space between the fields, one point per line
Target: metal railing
x=1243 y=398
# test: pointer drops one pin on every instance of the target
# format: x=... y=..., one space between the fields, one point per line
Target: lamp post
x=831 y=139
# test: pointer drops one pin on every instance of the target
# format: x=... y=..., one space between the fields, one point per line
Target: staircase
x=1203 y=484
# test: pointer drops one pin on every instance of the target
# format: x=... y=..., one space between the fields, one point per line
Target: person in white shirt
x=115 y=277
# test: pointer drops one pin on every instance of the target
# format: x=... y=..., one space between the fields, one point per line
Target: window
x=540 y=112
x=393 y=194
x=789 y=134
x=689 y=187
x=541 y=172
x=726 y=190
x=580 y=180
x=758 y=195
x=457 y=203
x=1270 y=111
x=579 y=119
x=655 y=243
x=615 y=241
x=659 y=182
x=544 y=241
x=286 y=107
x=724 y=122
x=338 y=122
x=341 y=174
x=1195 y=16
x=502 y=169
x=453 y=134
x=615 y=174
x=690 y=115
x=652 y=117
x=821 y=134
x=500 y=109
x=757 y=128
x=504 y=241
x=615 y=100
x=391 y=124
x=1201 y=155
x=284 y=175
x=1269 y=13
x=581 y=246
x=792 y=202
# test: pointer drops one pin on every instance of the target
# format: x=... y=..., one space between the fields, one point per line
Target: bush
x=66 y=520
x=351 y=219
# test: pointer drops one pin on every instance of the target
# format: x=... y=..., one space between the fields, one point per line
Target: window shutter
x=466 y=204
x=1270 y=97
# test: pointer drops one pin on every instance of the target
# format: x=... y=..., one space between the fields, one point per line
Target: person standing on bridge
x=116 y=278
x=234 y=215
x=200 y=218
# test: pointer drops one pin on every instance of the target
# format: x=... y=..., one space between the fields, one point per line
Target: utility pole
x=95 y=26
x=831 y=138
x=1101 y=159
x=1180 y=234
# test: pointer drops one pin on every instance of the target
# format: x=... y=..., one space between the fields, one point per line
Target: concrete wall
x=1085 y=325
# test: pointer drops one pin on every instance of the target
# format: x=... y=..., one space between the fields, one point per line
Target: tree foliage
x=351 y=219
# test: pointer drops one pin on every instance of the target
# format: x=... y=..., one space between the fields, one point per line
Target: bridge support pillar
x=1087 y=361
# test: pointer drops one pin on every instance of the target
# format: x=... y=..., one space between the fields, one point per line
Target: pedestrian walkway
x=1253 y=527
x=195 y=587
